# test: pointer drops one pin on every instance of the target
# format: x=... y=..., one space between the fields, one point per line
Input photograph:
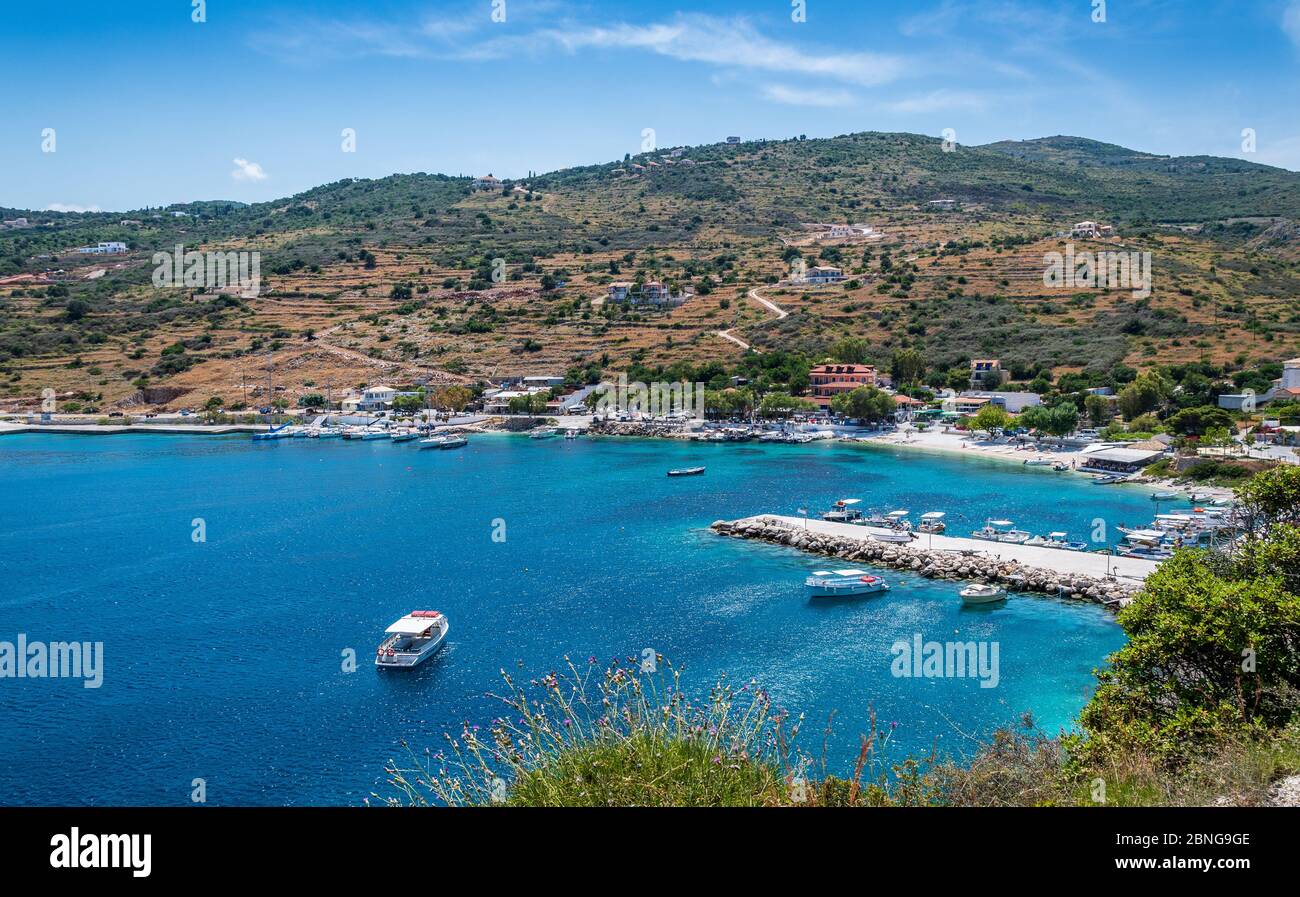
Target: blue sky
x=149 y=107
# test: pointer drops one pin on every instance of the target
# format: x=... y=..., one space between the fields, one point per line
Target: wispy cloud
x=795 y=96
x=71 y=207
x=942 y=100
x=248 y=171
x=1291 y=21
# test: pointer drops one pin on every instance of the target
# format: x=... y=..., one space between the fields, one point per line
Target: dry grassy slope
x=1224 y=288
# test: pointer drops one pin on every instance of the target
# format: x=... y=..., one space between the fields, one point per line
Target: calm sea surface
x=223 y=659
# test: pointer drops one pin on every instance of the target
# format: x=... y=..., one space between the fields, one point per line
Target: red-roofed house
x=828 y=380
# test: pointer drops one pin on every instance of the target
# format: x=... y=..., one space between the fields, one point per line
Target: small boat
x=443 y=442
x=1166 y=496
x=328 y=433
x=1037 y=462
x=1001 y=531
x=844 y=512
x=843 y=583
x=543 y=433
x=983 y=594
x=570 y=434
x=932 y=522
x=1056 y=540
x=281 y=432
x=686 y=472
x=404 y=435
x=412 y=640
x=1107 y=479
x=890 y=535
x=1060 y=466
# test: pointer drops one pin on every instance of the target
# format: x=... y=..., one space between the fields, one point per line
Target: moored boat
x=412 y=640
x=686 y=472
x=932 y=522
x=983 y=594
x=844 y=512
x=1001 y=531
x=844 y=583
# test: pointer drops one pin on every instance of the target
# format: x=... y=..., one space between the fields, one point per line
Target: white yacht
x=412 y=640
x=443 y=442
x=1001 y=531
x=889 y=535
x=842 y=583
x=983 y=594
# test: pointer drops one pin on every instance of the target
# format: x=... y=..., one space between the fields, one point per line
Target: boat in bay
x=412 y=640
x=686 y=472
x=1056 y=540
x=443 y=442
x=543 y=433
x=844 y=583
x=844 y=512
x=983 y=594
x=932 y=522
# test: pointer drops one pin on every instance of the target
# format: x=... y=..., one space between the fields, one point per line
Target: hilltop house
x=829 y=380
x=823 y=274
x=733 y=140
x=1091 y=229
x=15 y=222
x=986 y=373
x=487 y=182
x=942 y=205
x=109 y=248
x=650 y=293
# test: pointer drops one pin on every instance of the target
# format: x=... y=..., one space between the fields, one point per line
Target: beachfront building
x=1130 y=459
x=1013 y=402
x=964 y=405
x=829 y=380
x=376 y=398
x=986 y=373
x=906 y=407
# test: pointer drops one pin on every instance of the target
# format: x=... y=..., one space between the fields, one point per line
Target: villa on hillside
x=942 y=205
x=487 y=182
x=822 y=274
x=829 y=380
x=733 y=140
x=650 y=293
x=110 y=248
x=1091 y=229
x=986 y=372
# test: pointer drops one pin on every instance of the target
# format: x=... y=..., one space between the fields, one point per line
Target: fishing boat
x=543 y=433
x=844 y=583
x=844 y=512
x=898 y=520
x=1056 y=540
x=983 y=594
x=412 y=640
x=1165 y=496
x=686 y=472
x=1107 y=479
x=932 y=522
x=1001 y=531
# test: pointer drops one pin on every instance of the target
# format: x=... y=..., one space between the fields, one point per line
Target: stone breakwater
x=934 y=564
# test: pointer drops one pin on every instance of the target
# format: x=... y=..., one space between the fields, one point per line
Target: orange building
x=828 y=380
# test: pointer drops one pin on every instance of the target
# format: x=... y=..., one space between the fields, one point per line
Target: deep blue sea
x=224 y=659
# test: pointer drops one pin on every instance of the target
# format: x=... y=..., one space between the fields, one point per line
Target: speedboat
x=842 y=583
x=570 y=434
x=412 y=640
x=932 y=522
x=1001 y=531
x=1166 y=496
x=1056 y=540
x=983 y=594
x=686 y=472
x=1060 y=466
x=844 y=512
x=1037 y=462
x=543 y=433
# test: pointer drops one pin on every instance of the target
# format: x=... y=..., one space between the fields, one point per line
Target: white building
x=1287 y=387
x=487 y=182
x=1242 y=401
x=376 y=398
x=109 y=248
x=823 y=274
x=1013 y=402
x=733 y=140
x=942 y=205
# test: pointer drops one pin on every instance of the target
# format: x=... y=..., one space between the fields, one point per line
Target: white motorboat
x=1166 y=496
x=412 y=640
x=889 y=535
x=686 y=472
x=1038 y=462
x=1001 y=531
x=843 y=583
x=844 y=512
x=404 y=435
x=443 y=442
x=898 y=520
x=570 y=434
x=1057 y=540
x=932 y=522
x=543 y=433
x=983 y=594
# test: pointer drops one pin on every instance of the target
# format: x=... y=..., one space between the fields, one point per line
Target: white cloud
x=1291 y=21
x=939 y=101
x=248 y=171
x=780 y=93
x=71 y=207
x=733 y=43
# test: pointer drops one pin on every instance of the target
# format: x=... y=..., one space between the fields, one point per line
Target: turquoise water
x=223 y=659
